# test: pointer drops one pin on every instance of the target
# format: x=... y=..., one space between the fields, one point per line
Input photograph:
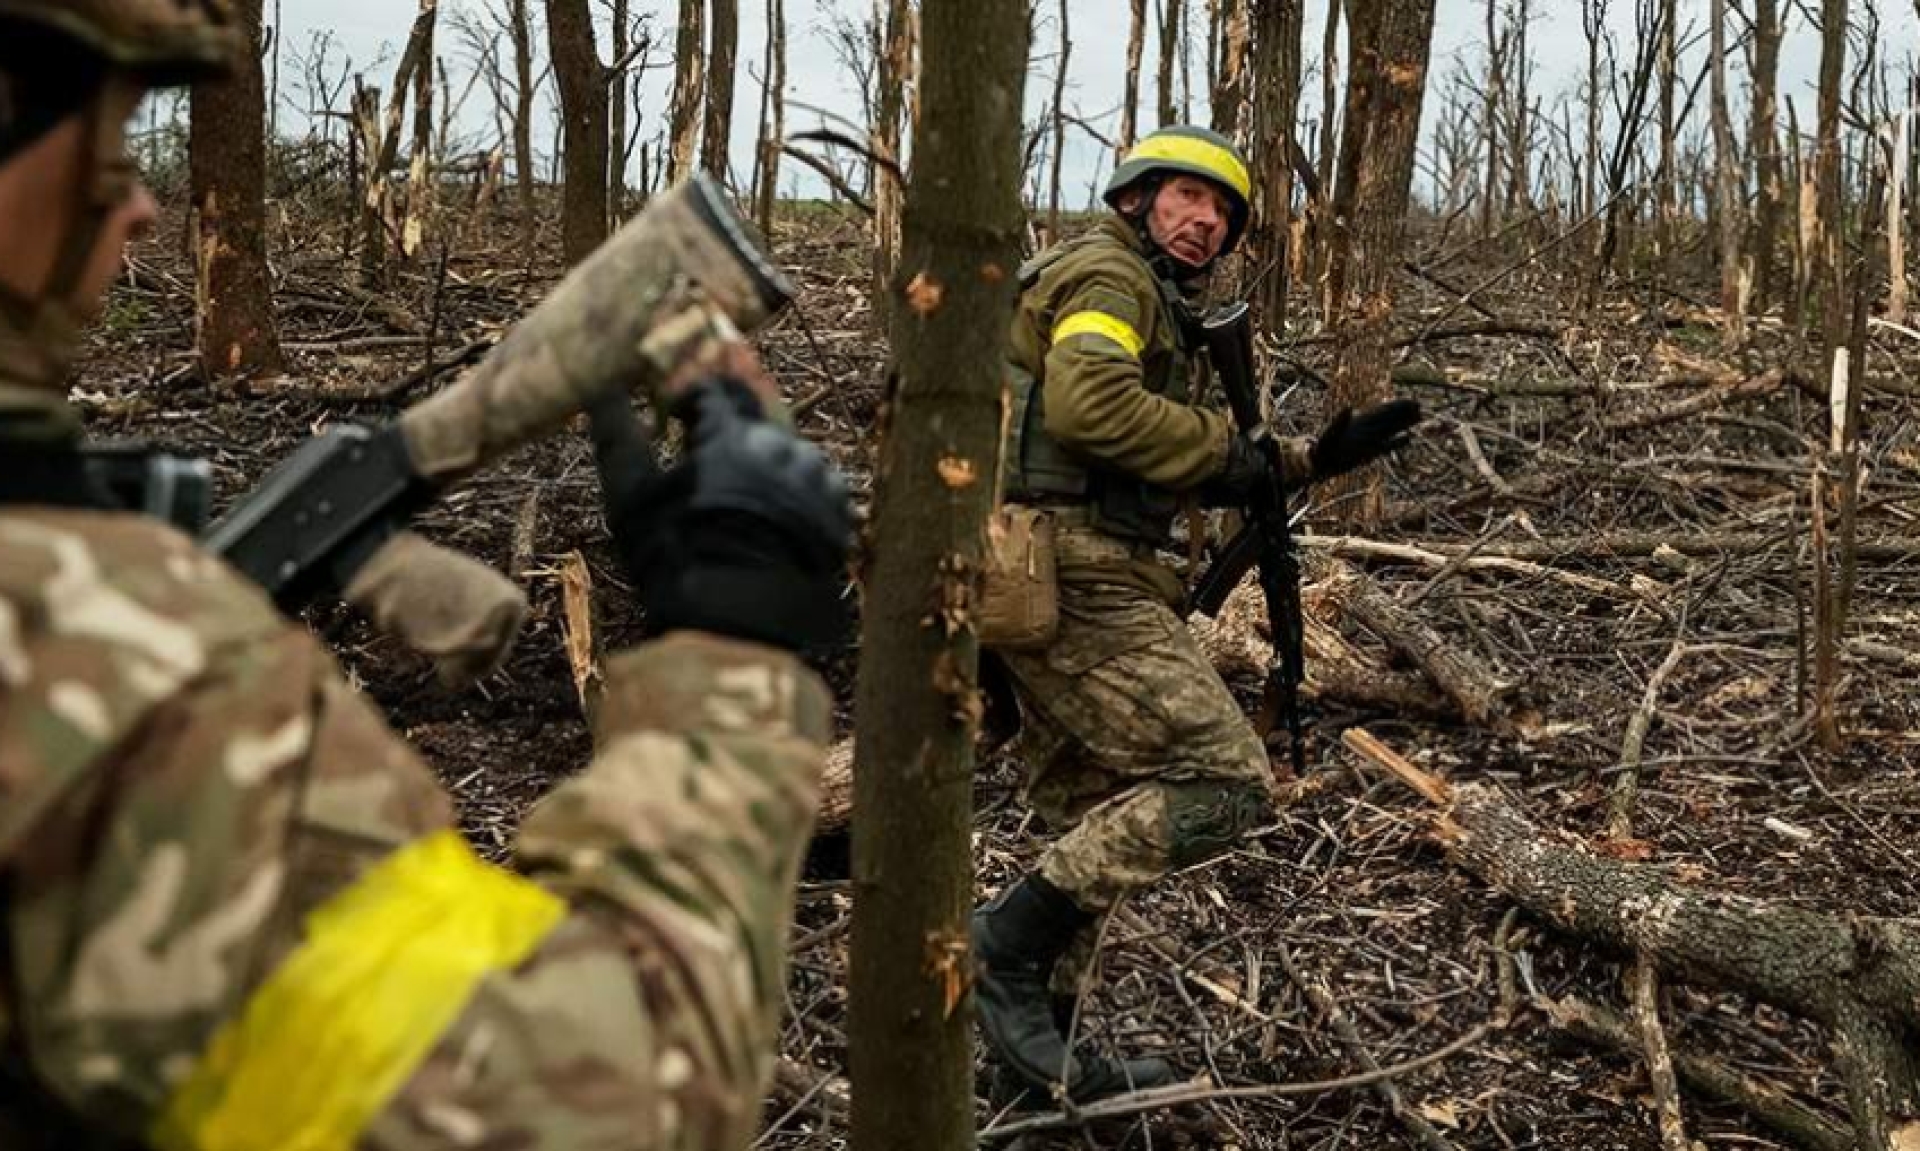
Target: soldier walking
x=1135 y=749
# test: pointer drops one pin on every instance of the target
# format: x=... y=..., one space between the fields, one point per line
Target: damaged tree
x=917 y=697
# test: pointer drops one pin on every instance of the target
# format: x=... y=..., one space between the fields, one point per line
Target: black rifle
x=1269 y=539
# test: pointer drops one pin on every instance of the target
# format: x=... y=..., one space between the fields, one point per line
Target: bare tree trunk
x=519 y=29
x=773 y=116
x=381 y=140
x=1896 y=218
x=1827 y=250
x=583 y=113
x=1727 y=182
x=1520 y=118
x=721 y=55
x=896 y=67
x=1666 y=178
x=1763 y=144
x=1170 y=13
x=1059 y=126
x=1496 y=85
x=617 y=114
x=233 y=294
x=1389 y=45
x=1320 y=227
x=1230 y=89
x=1275 y=27
x=1130 y=100
x=420 y=181
x=1593 y=22
x=689 y=87
x=917 y=696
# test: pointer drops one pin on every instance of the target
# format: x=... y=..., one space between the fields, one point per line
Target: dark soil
x=1349 y=882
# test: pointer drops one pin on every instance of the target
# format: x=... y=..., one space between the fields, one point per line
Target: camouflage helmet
x=163 y=42
x=1191 y=151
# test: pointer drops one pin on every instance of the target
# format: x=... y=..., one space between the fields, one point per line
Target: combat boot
x=1018 y=937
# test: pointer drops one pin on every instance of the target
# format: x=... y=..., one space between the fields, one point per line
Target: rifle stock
x=681 y=277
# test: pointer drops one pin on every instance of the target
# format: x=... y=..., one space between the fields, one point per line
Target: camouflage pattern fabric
x=184 y=778
x=1133 y=744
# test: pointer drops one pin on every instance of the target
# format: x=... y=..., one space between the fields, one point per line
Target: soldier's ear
x=1129 y=201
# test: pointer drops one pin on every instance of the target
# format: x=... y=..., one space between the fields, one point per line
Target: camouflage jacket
x=234 y=916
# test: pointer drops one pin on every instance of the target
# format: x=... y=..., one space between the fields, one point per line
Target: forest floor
x=1349 y=887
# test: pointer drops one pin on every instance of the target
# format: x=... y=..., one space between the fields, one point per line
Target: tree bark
x=1896 y=218
x=1593 y=23
x=1859 y=977
x=1490 y=128
x=1727 y=187
x=233 y=313
x=1389 y=44
x=1170 y=24
x=917 y=698
x=1059 y=125
x=1827 y=249
x=1763 y=144
x=1275 y=27
x=420 y=182
x=1130 y=99
x=617 y=112
x=773 y=116
x=721 y=54
x=1666 y=177
x=1319 y=211
x=520 y=31
x=583 y=115
x=1230 y=87
x=689 y=87
x=895 y=73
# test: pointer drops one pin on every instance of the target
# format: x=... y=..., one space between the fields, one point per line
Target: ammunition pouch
x=1020 y=592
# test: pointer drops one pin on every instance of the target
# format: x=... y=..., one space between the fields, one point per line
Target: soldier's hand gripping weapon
x=679 y=278
x=1268 y=538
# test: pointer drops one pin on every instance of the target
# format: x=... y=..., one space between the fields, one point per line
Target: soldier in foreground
x=1134 y=745
x=233 y=911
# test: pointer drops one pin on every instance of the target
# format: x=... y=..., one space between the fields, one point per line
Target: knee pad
x=1206 y=818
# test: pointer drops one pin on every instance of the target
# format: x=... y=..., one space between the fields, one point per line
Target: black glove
x=1245 y=474
x=746 y=535
x=1355 y=439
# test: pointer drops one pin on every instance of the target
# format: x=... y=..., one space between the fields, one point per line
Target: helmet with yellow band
x=1190 y=151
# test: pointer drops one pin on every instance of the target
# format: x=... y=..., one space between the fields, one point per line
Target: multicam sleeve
x=646 y=1019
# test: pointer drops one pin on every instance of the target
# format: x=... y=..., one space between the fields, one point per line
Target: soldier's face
x=42 y=191
x=1189 y=220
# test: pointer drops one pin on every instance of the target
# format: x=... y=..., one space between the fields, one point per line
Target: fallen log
x=1636 y=545
x=1714 y=397
x=1858 y=977
x=1481 y=697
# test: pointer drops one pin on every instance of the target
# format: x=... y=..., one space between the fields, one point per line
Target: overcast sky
x=370 y=34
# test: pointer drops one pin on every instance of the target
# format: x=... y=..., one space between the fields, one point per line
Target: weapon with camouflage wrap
x=681 y=277
x=1268 y=538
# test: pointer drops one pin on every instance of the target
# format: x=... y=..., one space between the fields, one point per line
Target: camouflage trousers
x=1134 y=747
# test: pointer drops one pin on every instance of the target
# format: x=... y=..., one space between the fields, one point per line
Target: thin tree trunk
x=1230 y=87
x=1170 y=11
x=1276 y=30
x=1059 y=125
x=773 y=116
x=689 y=87
x=1667 y=177
x=916 y=702
x=233 y=294
x=1319 y=212
x=521 y=32
x=1827 y=249
x=1763 y=144
x=583 y=114
x=725 y=48
x=617 y=114
x=1490 y=131
x=381 y=140
x=1520 y=118
x=1727 y=184
x=1593 y=16
x=1389 y=49
x=1896 y=219
x=420 y=182
x=1130 y=99
x=896 y=65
